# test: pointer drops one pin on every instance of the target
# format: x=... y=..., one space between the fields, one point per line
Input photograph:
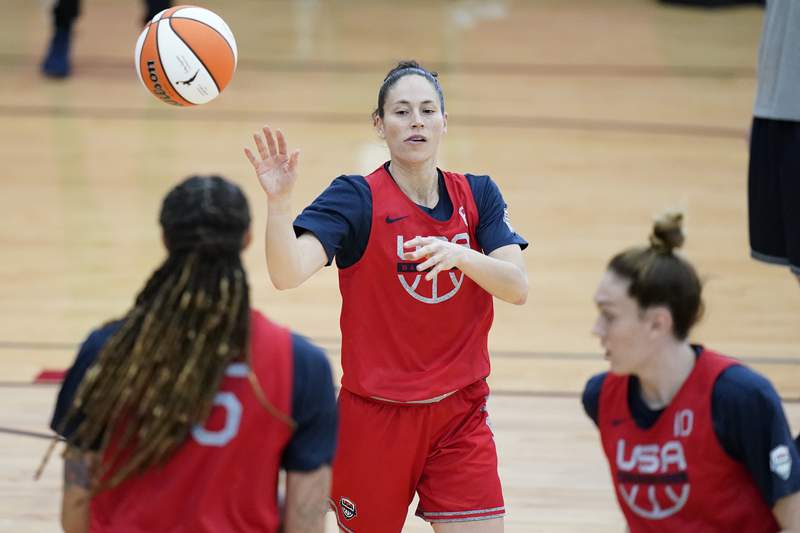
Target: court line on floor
x=332 y=344
x=337 y=118
x=26 y=433
x=500 y=393
x=494 y=392
x=471 y=68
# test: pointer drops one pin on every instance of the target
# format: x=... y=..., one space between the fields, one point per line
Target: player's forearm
x=787 y=513
x=78 y=473
x=307 y=500
x=284 y=258
x=498 y=277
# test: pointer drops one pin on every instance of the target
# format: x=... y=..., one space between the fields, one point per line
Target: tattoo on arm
x=78 y=469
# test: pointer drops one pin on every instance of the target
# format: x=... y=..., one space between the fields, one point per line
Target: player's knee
x=495 y=525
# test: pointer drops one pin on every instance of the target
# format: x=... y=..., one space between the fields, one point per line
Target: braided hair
x=157 y=375
x=659 y=276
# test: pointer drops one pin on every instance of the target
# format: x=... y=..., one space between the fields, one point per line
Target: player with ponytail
x=696 y=441
x=422 y=253
x=178 y=416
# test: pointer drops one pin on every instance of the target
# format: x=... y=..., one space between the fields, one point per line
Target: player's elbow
x=516 y=297
x=521 y=298
x=283 y=284
x=521 y=295
x=285 y=280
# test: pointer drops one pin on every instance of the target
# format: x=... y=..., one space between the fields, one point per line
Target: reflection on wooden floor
x=592 y=116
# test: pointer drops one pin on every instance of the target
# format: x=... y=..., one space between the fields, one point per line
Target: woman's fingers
x=281 y=142
x=428 y=263
x=262 y=149
x=251 y=157
x=433 y=273
x=293 y=160
x=420 y=245
x=419 y=253
x=273 y=152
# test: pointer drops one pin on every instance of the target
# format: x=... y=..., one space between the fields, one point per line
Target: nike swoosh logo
x=393 y=220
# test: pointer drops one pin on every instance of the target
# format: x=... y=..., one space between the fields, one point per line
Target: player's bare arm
x=501 y=273
x=78 y=474
x=290 y=259
x=307 y=500
x=787 y=513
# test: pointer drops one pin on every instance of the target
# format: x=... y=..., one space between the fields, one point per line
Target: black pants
x=66 y=11
x=712 y=3
x=774 y=192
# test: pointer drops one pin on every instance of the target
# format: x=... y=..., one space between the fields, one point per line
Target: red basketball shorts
x=444 y=451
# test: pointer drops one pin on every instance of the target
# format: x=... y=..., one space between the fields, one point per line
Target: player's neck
x=418 y=181
x=666 y=374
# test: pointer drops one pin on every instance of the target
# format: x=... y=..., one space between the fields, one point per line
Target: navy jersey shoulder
x=751 y=426
x=341 y=217
x=494 y=222
x=748 y=421
x=591 y=396
x=313 y=400
x=87 y=354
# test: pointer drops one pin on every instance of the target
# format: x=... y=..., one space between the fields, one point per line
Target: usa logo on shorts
x=348 y=508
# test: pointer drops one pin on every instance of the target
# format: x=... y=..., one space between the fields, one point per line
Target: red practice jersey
x=675 y=476
x=405 y=338
x=225 y=477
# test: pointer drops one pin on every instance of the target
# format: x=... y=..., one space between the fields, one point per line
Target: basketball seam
x=214 y=30
x=139 y=59
x=176 y=10
x=166 y=76
x=200 y=59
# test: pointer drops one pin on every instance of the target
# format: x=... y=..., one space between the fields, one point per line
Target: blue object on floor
x=56 y=62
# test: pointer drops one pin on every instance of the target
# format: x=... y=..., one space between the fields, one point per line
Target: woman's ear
x=660 y=320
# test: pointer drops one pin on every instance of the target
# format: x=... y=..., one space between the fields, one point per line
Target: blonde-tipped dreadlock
x=157 y=375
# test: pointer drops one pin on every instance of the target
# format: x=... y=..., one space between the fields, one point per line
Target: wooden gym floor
x=593 y=117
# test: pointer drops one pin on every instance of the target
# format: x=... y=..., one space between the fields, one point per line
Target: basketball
x=186 y=56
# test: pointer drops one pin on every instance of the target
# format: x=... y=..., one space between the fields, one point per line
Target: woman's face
x=413 y=121
x=625 y=331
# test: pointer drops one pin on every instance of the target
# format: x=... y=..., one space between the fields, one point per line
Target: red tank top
x=404 y=338
x=225 y=477
x=675 y=476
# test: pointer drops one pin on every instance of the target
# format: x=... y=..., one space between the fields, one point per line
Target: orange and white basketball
x=186 y=56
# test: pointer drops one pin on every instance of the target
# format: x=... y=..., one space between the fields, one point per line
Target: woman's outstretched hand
x=275 y=167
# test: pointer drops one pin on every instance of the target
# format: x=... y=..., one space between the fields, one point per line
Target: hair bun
x=667 y=232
